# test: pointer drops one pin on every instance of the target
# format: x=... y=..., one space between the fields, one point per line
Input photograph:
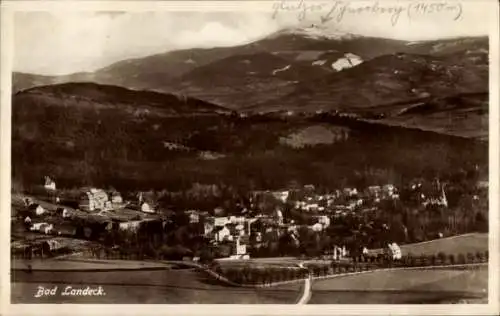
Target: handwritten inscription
x=337 y=11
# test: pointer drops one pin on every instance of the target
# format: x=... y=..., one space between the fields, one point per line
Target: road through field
x=306 y=294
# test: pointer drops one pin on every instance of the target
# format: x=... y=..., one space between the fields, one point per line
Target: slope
x=387 y=79
x=245 y=79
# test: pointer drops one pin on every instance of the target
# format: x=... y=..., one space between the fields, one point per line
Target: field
x=404 y=287
x=450 y=245
x=153 y=286
x=74 y=263
x=262 y=262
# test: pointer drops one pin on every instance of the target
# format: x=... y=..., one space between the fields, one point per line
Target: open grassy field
x=404 y=287
x=261 y=262
x=450 y=245
x=76 y=263
x=152 y=286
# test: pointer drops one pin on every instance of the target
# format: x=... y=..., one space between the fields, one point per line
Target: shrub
x=433 y=259
x=470 y=257
x=423 y=260
x=442 y=257
x=479 y=256
x=451 y=258
x=325 y=269
x=461 y=259
x=335 y=268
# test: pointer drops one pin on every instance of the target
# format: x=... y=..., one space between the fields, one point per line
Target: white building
x=394 y=251
x=350 y=191
x=64 y=212
x=37 y=209
x=130 y=225
x=223 y=234
x=27 y=220
x=324 y=221
x=146 y=208
x=221 y=221
x=116 y=197
x=278 y=214
x=49 y=184
x=317 y=227
x=44 y=228
x=281 y=195
x=94 y=199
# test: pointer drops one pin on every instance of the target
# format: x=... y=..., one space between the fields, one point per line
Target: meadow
x=184 y=286
x=418 y=286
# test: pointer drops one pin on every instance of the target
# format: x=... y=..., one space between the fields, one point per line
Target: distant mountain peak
x=316 y=32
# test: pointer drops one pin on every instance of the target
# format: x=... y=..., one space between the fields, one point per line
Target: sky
x=56 y=42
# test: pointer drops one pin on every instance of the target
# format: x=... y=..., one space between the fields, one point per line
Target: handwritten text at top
x=336 y=11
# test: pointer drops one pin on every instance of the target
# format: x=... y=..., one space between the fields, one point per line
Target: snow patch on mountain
x=315 y=32
x=348 y=61
x=413 y=43
x=275 y=71
x=319 y=62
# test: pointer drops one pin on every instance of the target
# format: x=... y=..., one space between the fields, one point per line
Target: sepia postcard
x=247 y=157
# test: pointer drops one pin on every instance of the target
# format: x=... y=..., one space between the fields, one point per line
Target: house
x=94 y=199
x=388 y=189
x=237 y=219
x=236 y=230
x=44 y=228
x=350 y=192
x=208 y=227
x=281 y=195
x=323 y=220
x=116 y=197
x=66 y=230
x=311 y=207
x=223 y=234
x=133 y=225
x=220 y=221
x=130 y=225
x=147 y=208
x=194 y=216
x=278 y=216
x=52 y=245
x=218 y=211
x=374 y=191
x=36 y=209
x=441 y=200
x=49 y=184
x=309 y=188
x=63 y=212
x=27 y=201
x=339 y=252
x=240 y=249
x=317 y=227
x=36 y=226
x=394 y=251
x=482 y=185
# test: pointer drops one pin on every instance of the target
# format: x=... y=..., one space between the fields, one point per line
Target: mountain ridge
x=157 y=71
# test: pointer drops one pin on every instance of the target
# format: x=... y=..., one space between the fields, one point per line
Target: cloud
x=71 y=41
